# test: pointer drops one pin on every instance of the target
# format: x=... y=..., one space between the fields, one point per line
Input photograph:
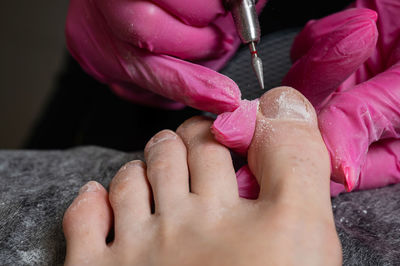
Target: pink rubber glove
x=353 y=79
x=358 y=102
x=142 y=50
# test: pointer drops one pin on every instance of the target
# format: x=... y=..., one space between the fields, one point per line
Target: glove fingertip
x=345 y=175
x=317 y=29
x=350 y=177
x=332 y=59
x=235 y=129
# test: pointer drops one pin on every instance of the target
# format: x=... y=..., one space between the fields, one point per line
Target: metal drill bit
x=248 y=27
x=257 y=64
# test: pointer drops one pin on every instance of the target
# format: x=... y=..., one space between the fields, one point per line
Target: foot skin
x=203 y=221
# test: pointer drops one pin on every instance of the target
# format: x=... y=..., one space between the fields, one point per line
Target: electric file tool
x=248 y=27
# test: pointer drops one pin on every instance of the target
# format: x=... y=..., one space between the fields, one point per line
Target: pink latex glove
x=160 y=52
x=352 y=77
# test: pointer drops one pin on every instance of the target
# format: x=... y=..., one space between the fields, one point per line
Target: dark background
x=31 y=53
x=47 y=102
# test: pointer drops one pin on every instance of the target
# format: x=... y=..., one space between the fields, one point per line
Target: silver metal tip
x=257 y=65
x=258 y=69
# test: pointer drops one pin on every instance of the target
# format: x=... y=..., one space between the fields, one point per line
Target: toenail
x=132 y=164
x=91 y=186
x=288 y=105
x=162 y=136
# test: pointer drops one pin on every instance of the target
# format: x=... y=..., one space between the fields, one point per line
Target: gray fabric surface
x=37 y=187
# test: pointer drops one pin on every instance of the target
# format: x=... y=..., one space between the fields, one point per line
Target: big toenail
x=289 y=105
x=162 y=136
x=91 y=186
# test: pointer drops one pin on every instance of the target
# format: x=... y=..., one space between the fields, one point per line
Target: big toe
x=287 y=154
x=291 y=163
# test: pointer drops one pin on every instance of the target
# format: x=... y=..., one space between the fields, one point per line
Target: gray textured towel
x=37 y=187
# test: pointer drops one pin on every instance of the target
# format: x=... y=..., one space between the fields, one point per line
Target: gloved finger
x=382 y=165
x=332 y=59
x=198 y=13
x=317 y=29
x=381 y=168
x=146 y=25
x=389 y=22
x=354 y=119
x=182 y=81
x=141 y=96
x=235 y=129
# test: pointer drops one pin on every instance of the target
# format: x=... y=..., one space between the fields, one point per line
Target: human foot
x=202 y=220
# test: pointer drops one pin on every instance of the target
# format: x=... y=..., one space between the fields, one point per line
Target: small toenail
x=162 y=136
x=91 y=186
x=131 y=164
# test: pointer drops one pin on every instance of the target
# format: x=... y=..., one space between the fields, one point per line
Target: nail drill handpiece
x=248 y=27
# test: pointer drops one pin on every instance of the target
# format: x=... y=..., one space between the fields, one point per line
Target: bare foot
x=202 y=220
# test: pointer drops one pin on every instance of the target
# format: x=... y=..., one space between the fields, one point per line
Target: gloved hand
x=148 y=51
x=352 y=77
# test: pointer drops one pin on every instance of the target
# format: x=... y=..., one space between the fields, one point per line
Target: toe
x=87 y=222
x=210 y=163
x=167 y=169
x=130 y=198
x=291 y=163
x=287 y=154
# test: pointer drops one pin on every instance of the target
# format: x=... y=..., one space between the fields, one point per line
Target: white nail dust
x=264 y=133
x=289 y=107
